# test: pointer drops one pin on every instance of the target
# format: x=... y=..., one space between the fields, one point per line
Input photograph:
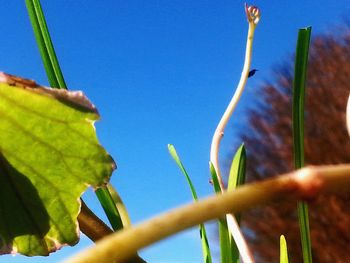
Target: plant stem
x=95 y=229
x=91 y=225
x=253 y=15
x=305 y=183
x=241 y=244
x=219 y=132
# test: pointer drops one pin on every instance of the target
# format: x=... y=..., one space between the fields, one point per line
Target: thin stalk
x=219 y=132
x=91 y=225
x=95 y=229
x=242 y=246
x=306 y=183
x=230 y=226
x=253 y=16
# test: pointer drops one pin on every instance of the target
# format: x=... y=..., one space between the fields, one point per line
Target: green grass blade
x=110 y=208
x=300 y=71
x=283 y=250
x=176 y=158
x=44 y=42
x=203 y=234
x=228 y=252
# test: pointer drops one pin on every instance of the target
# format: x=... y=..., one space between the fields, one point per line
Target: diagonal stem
x=306 y=183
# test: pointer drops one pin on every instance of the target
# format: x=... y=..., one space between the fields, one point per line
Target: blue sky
x=159 y=72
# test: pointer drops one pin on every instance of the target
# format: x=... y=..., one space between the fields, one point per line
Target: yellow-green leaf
x=49 y=155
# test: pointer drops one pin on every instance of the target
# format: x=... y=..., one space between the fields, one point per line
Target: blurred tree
x=268 y=140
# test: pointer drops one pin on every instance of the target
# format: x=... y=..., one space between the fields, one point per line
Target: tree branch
x=305 y=184
x=95 y=229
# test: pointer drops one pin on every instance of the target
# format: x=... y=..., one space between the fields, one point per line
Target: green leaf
x=237 y=173
x=176 y=158
x=56 y=80
x=283 y=250
x=49 y=155
x=110 y=208
x=203 y=234
x=236 y=178
x=45 y=45
x=214 y=178
x=300 y=72
x=237 y=170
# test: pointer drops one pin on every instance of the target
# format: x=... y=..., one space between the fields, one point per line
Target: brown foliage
x=269 y=149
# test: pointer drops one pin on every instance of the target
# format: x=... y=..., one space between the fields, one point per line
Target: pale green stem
x=306 y=183
x=232 y=224
x=241 y=244
x=219 y=132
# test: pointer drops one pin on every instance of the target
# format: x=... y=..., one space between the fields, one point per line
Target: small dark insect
x=252 y=72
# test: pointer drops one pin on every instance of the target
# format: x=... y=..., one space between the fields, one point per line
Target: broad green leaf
x=202 y=232
x=283 y=250
x=56 y=80
x=49 y=155
x=299 y=83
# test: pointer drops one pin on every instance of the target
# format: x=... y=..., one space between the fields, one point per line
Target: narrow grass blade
x=176 y=158
x=226 y=241
x=300 y=71
x=44 y=42
x=283 y=250
x=203 y=235
x=109 y=207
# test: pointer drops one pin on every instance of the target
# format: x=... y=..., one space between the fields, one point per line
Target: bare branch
x=305 y=184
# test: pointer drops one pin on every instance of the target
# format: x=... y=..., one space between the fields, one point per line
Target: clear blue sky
x=159 y=72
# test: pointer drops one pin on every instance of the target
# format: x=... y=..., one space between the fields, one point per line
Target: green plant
x=57 y=125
